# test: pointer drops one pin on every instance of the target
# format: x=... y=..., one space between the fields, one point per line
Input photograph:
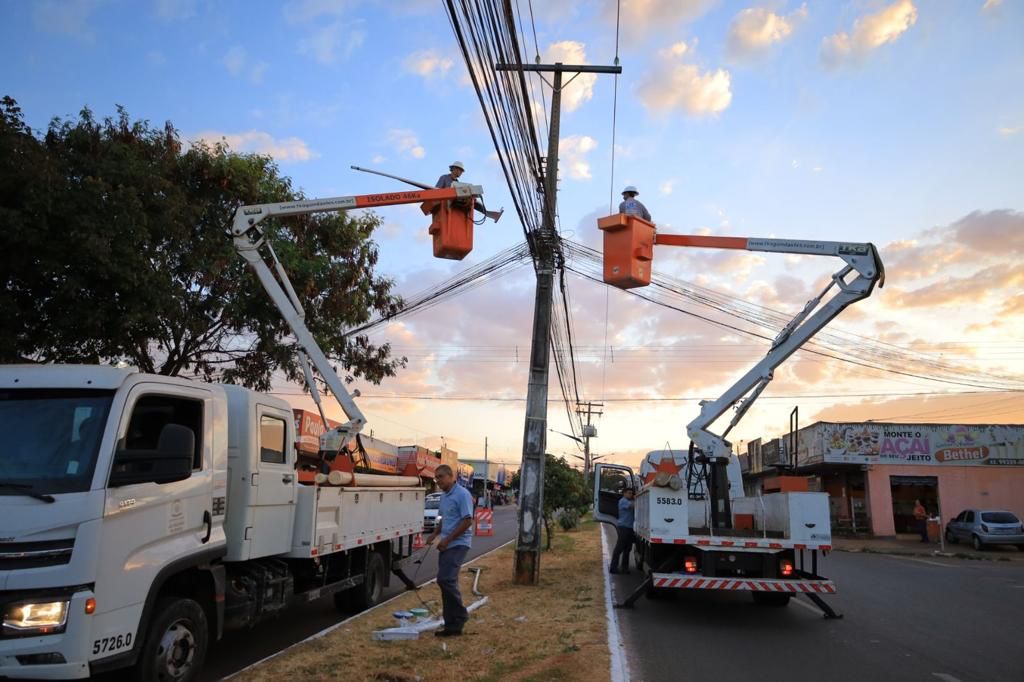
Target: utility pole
x=546 y=248
x=589 y=431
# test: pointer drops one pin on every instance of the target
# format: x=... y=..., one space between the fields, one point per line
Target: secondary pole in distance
x=545 y=249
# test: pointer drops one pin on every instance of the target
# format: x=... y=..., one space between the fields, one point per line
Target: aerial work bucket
x=628 y=250
x=451 y=227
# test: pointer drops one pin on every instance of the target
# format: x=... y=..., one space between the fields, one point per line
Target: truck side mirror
x=170 y=461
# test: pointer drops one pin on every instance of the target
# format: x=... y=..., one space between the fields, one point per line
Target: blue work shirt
x=456 y=505
x=625 y=512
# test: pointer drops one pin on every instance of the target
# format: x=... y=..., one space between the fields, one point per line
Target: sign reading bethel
x=931 y=444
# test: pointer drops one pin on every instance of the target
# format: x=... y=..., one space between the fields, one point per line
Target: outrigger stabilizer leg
x=641 y=588
x=823 y=605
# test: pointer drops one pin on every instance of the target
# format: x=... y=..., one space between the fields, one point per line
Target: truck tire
x=773 y=599
x=176 y=643
x=366 y=594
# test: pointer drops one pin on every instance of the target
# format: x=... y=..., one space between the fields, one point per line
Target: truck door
x=609 y=481
x=274 y=512
x=149 y=522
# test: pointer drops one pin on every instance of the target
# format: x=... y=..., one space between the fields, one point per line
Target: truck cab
x=109 y=480
x=143 y=514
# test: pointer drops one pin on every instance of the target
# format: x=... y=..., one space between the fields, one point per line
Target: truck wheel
x=367 y=594
x=773 y=599
x=175 y=646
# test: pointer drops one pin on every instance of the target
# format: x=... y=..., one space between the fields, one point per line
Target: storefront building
x=489 y=476
x=874 y=472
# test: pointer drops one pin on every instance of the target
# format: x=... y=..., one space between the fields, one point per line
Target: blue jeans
x=449 y=563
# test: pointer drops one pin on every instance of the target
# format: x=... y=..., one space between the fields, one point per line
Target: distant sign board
x=308 y=429
x=924 y=444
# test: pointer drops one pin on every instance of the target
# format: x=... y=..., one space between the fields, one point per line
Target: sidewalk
x=911 y=545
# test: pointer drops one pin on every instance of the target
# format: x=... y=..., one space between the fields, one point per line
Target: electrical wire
x=765 y=323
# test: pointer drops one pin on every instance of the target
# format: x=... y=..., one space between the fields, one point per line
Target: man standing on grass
x=456 y=537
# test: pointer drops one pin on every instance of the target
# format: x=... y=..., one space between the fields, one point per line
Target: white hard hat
x=457 y=164
x=630 y=188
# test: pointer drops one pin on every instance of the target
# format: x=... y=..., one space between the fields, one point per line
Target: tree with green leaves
x=115 y=247
x=565 y=491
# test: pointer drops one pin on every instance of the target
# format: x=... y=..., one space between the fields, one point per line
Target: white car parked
x=432 y=512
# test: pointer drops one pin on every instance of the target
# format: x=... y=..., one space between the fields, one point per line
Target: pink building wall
x=987 y=487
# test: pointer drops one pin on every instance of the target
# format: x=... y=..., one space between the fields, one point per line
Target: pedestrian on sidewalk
x=921 y=520
x=456 y=538
x=624 y=528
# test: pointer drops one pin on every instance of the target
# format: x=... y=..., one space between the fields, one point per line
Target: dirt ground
x=555 y=631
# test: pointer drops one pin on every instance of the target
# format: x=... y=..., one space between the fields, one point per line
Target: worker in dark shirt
x=455 y=171
x=624 y=529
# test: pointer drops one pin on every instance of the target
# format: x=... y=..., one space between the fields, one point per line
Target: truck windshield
x=50 y=439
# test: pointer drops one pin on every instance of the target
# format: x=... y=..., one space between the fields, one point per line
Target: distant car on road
x=432 y=511
x=983 y=527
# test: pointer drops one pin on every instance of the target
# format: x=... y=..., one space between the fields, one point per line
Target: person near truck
x=456 y=538
x=624 y=529
x=455 y=171
x=631 y=205
x=921 y=520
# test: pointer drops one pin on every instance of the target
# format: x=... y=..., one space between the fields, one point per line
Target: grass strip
x=553 y=631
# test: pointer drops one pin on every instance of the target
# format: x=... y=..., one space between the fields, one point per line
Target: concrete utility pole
x=546 y=248
x=589 y=431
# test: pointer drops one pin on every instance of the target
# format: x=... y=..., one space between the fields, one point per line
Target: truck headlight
x=36 y=619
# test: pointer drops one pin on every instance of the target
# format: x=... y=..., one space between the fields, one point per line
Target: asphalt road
x=905 y=618
x=240 y=648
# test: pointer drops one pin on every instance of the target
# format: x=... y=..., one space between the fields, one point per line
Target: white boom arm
x=250 y=241
x=860 y=258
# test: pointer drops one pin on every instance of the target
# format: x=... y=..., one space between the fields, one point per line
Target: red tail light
x=786 y=568
x=690 y=565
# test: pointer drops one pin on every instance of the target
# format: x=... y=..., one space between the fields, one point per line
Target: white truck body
x=679 y=548
x=110 y=554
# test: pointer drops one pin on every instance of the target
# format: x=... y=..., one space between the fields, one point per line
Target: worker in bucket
x=624 y=528
x=631 y=205
x=455 y=171
x=456 y=538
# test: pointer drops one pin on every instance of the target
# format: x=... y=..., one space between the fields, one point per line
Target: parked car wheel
x=950 y=537
x=977 y=543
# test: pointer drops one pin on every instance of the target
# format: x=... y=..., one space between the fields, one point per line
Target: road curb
x=332 y=628
x=618 y=665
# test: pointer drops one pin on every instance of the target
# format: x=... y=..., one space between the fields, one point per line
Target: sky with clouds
x=899 y=122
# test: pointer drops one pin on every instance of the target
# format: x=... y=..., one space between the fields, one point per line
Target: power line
x=676 y=399
x=843 y=346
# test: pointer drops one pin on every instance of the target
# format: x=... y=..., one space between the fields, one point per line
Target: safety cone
x=417 y=542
